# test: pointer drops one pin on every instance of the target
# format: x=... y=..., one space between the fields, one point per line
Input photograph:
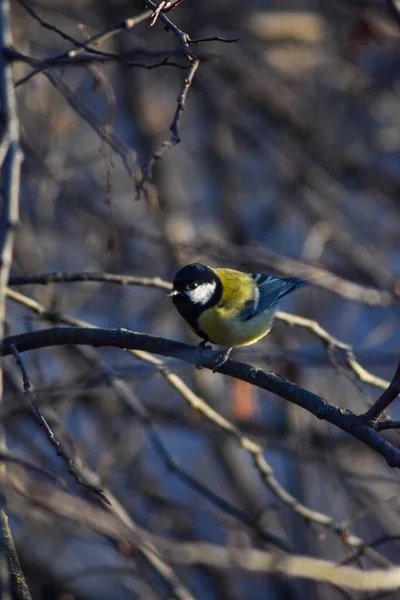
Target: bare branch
x=47 y=278
x=385 y=400
x=199 y=405
x=156 y=282
x=98 y=38
x=174 y=128
x=331 y=342
x=94 y=489
x=389 y=424
x=248 y=559
x=124 y=339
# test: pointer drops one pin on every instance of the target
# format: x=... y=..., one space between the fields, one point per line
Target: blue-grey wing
x=269 y=290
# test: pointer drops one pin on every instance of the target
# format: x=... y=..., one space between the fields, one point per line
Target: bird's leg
x=203 y=344
x=223 y=357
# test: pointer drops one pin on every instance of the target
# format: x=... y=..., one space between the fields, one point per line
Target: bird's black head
x=196 y=288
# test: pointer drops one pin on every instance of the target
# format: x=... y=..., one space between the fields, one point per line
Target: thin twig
x=60 y=277
x=385 y=400
x=126 y=154
x=182 y=36
x=49 y=432
x=98 y=38
x=389 y=424
x=87 y=59
x=143 y=415
x=174 y=128
x=331 y=342
x=256 y=451
x=51 y=27
x=214 y=38
x=164 y=6
x=248 y=559
x=113 y=505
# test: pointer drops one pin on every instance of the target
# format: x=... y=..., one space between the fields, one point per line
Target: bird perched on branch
x=228 y=307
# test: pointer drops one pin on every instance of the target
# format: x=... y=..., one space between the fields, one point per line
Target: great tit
x=228 y=307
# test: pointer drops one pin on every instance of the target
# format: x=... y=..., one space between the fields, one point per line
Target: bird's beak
x=173 y=293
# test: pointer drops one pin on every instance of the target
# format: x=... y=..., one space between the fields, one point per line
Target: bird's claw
x=222 y=358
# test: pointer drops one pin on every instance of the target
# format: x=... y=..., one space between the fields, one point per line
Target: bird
x=227 y=307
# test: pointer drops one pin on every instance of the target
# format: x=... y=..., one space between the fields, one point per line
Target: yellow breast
x=230 y=331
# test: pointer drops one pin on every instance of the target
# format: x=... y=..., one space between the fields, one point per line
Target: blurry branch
x=46 y=25
x=88 y=59
x=98 y=38
x=320 y=277
x=12 y=579
x=394 y=10
x=331 y=342
x=84 y=476
x=389 y=424
x=47 y=278
x=126 y=154
x=198 y=404
x=250 y=559
x=123 y=391
x=156 y=282
x=255 y=257
x=119 y=338
x=384 y=539
x=61 y=452
x=142 y=180
x=256 y=451
x=64 y=506
x=10 y=165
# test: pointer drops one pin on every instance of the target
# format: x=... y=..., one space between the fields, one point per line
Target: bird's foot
x=222 y=358
x=204 y=344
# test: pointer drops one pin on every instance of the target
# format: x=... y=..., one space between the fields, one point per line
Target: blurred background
x=289 y=160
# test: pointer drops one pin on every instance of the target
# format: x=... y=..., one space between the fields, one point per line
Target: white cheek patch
x=203 y=293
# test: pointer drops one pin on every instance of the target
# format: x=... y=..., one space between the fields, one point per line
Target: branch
x=47 y=278
x=248 y=559
x=126 y=154
x=98 y=38
x=12 y=579
x=252 y=560
x=331 y=342
x=156 y=282
x=61 y=452
x=385 y=400
x=194 y=62
x=199 y=405
x=174 y=128
x=389 y=424
x=119 y=338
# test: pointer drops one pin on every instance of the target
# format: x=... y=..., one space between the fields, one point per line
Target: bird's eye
x=191 y=286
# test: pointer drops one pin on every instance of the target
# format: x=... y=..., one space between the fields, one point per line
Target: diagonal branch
x=385 y=400
x=60 y=450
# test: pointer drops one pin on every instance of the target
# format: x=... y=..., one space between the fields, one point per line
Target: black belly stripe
x=196 y=328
